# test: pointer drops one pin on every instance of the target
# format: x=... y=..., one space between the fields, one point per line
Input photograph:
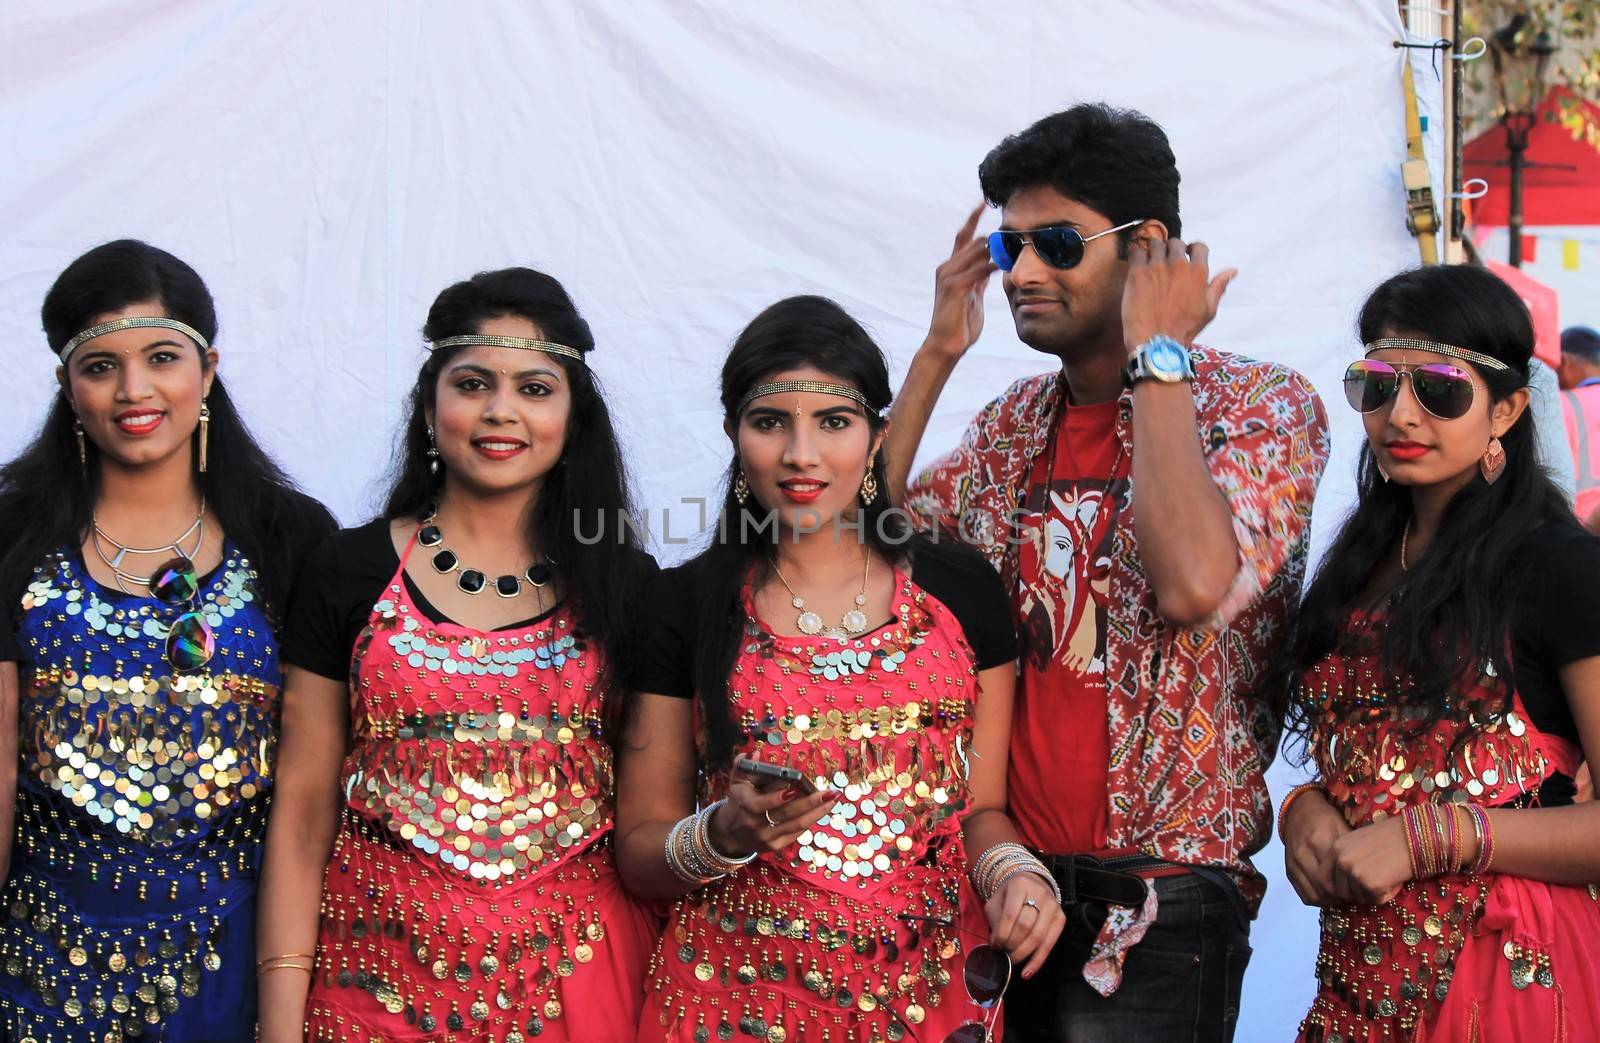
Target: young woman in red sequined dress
x=1446 y=683
x=836 y=907
x=439 y=865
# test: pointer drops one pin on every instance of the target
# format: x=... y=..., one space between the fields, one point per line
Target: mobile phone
x=769 y=769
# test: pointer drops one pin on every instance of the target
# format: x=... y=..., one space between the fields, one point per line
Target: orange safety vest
x=1581 y=406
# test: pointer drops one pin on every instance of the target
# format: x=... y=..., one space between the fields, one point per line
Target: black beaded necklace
x=473 y=581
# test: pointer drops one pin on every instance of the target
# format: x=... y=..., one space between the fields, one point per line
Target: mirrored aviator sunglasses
x=1059 y=246
x=191 y=641
x=1444 y=390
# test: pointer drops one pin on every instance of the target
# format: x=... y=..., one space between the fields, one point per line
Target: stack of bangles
x=1434 y=839
x=690 y=854
x=288 y=961
x=1004 y=861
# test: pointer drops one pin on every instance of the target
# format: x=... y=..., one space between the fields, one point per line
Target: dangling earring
x=205 y=432
x=434 y=466
x=869 y=488
x=1381 y=472
x=83 y=448
x=1493 y=464
x=741 y=489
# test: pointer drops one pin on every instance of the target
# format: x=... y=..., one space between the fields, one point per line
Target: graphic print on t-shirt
x=1065 y=572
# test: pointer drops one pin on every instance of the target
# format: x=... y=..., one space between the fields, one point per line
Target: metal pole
x=1518 y=127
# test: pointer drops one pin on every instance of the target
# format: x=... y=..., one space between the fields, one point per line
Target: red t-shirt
x=1060 y=746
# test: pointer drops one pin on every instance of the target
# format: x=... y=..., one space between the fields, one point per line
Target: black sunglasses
x=1059 y=246
x=986 y=972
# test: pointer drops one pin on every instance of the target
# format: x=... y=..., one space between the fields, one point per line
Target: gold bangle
x=284 y=967
x=287 y=956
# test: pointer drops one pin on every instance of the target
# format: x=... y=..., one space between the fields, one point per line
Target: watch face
x=1165 y=359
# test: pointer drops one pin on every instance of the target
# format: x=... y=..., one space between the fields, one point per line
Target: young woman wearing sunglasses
x=1444 y=678
x=148 y=549
x=834 y=697
x=439 y=863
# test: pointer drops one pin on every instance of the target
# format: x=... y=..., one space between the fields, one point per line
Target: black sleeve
x=10 y=647
x=341 y=581
x=306 y=524
x=1557 y=621
x=966 y=584
x=668 y=661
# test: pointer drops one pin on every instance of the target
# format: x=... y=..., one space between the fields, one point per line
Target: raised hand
x=958 y=288
x=1170 y=290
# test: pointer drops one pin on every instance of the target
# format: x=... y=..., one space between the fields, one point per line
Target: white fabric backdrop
x=329 y=167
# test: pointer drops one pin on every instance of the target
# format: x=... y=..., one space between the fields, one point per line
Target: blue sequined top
x=141 y=811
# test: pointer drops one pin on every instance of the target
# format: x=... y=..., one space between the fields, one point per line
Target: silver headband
x=1448 y=350
x=491 y=341
x=776 y=387
x=137 y=323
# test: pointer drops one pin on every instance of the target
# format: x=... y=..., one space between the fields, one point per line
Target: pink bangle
x=1408 y=818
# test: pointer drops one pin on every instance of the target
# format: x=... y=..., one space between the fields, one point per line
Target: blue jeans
x=1180 y=983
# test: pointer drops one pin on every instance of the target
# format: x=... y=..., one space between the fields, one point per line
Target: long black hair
x=1449 y=615
x=47 y=497
x=795 y=333
x=587 y=490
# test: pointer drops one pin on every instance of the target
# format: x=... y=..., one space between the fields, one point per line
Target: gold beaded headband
x=492 y=341
x=136 y=323
x=1449 y=350
x=777 y=387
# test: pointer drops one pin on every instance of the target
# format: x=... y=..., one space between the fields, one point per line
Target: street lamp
x=1521 y=57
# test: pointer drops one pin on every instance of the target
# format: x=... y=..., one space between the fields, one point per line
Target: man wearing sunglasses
x=1148 y=503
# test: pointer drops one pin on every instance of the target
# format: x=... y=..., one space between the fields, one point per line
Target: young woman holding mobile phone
x=815 y=633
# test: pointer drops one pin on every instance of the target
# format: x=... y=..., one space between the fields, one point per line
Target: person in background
x=1580 y=406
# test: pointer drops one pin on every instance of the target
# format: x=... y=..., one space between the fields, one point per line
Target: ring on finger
x=768 y=816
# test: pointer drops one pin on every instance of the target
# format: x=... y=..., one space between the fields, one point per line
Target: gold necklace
x=809 y=623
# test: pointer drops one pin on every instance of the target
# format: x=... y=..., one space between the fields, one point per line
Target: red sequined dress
x=1458 y=958
x=854 y=934
x=471 y=893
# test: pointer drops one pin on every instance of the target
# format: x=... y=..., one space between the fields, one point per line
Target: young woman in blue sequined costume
x=147 y=547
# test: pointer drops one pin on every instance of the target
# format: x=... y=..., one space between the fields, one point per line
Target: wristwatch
x=1160 y=358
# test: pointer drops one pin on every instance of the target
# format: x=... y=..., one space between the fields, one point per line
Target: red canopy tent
x=1551 y=195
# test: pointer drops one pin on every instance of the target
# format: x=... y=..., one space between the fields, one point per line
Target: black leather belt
x=1112 y=881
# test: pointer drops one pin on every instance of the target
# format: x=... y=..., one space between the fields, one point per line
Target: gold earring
x=741 y=489
x=83 y=448
x=869 y=488
x=205 y=432
x=1493 y=464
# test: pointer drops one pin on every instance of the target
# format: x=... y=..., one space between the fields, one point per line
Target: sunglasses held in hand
x=986 y=971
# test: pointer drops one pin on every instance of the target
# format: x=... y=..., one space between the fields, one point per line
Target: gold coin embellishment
x=1434 y=926
x=1372 y=955
x=583 y=952
x=552 y=1009
x=915 y=1014
x=704 y=971
x=595 y=931
x=77 y=956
